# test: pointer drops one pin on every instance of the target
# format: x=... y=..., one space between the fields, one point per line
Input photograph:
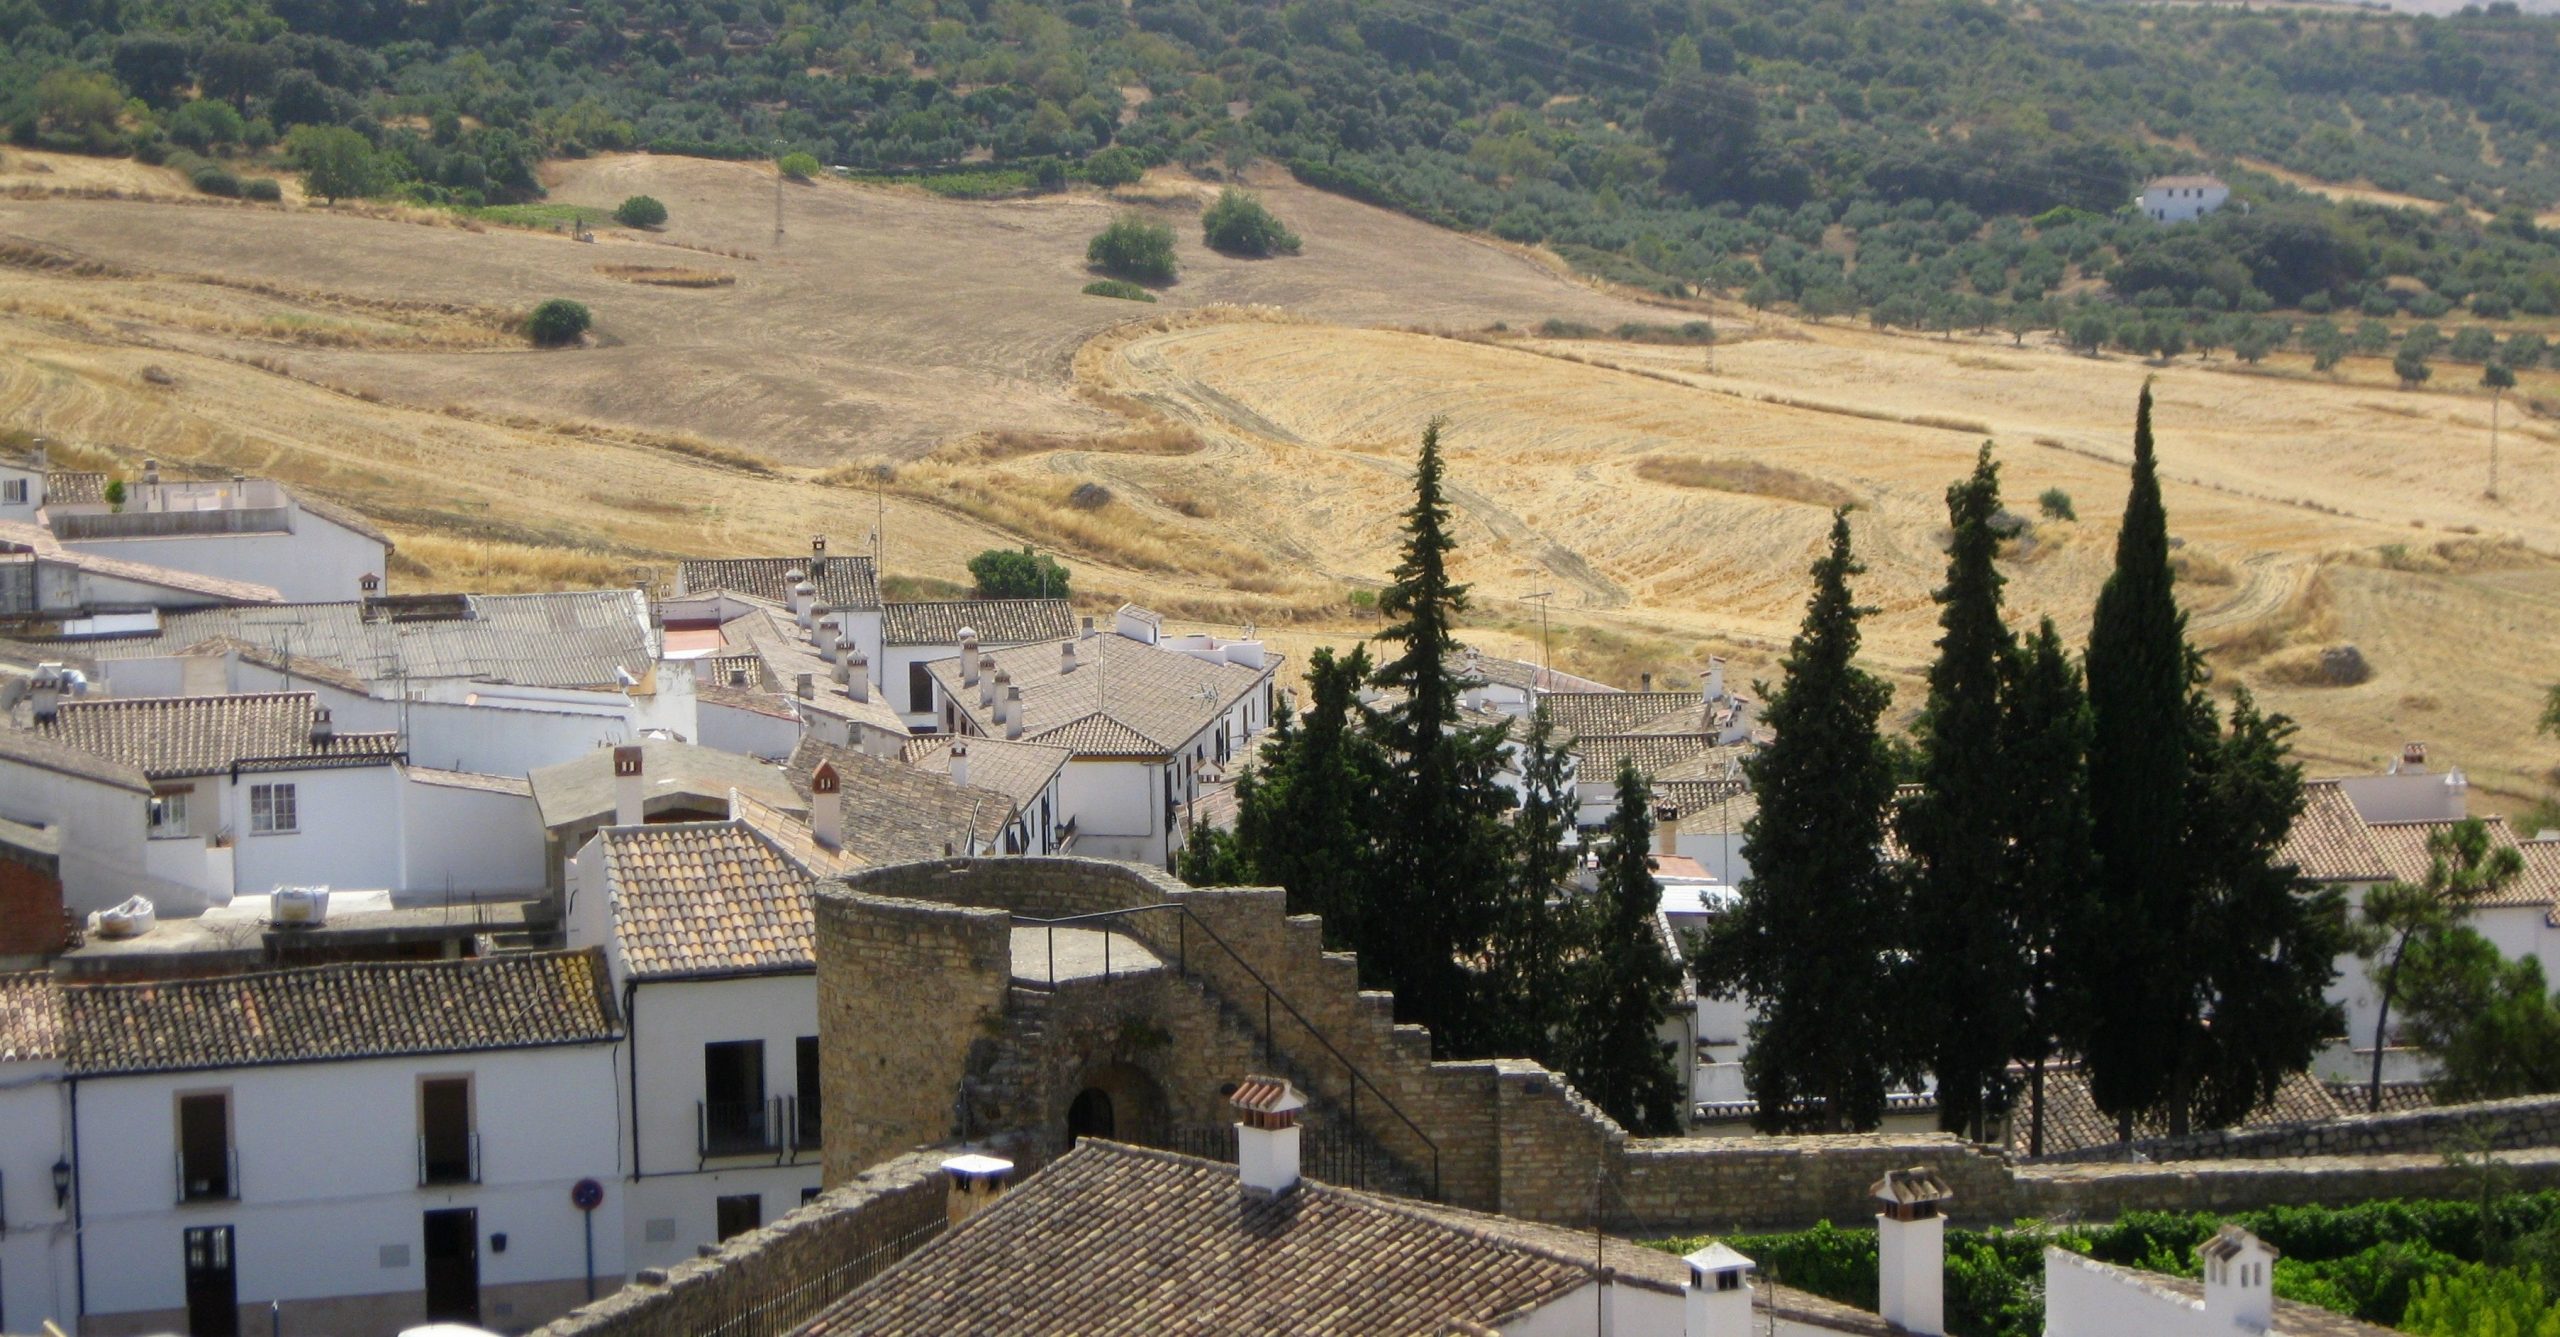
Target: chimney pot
x=960 y=764
x=1012 y=712
x=2239 y=1290
x=829 y=631
x=986 y=680
x=1666 y=830
x=1644 y=682
x=807 y=686
x=857 y=667
x=44 y=693
x=1717 y=1293
x=826 y=807
x=1066 y=657
x=629 y=796
x=151 y=473
x=1911 y=1250
x=321 y=732
x=968 y=658
x=1267 y=1133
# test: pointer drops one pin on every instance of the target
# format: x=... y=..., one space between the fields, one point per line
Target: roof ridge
x=324 y=968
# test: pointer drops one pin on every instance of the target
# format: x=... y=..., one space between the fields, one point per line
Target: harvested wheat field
x=1239 y=453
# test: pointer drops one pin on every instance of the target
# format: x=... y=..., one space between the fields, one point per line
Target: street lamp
x=61 y=1183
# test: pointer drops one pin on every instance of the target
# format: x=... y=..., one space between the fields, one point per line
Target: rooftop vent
x=1267 y=1133
x=321 y=730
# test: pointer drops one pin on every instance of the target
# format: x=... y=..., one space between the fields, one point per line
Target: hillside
x=1251 y=431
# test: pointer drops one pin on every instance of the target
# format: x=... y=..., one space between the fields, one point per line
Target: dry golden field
x=1249 y=436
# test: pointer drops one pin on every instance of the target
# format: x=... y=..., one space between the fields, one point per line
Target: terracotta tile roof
x=2397 y=1097
x=1125 y=698
x=1019 y=771
x=1520 y=674
x=842 y=582
x=998 y=622
x=30 y=1017
x=2328 y=841
x=570 y=638
x=583 y=790
x=788 y=652
x=1654 y=754
x=2073 y=1122
x=30 y=748
x=894 y=812
x=1708 y=805
x=1579 y=713
x=707 y=898
x=1118 y=1240
x=2403 y=846
x=487 y=784
x=352 y=1010
x=75 y=486
x=173 y=736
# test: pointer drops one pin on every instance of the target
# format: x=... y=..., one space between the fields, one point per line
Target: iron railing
x=457 y=1161
x=787 y=1311
x=219 y=1182
x=775 y=1126
x=1273 y=1002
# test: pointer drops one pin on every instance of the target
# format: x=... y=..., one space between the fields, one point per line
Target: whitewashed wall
x=318 y=562
x=105 y=857
x=749 y=733
x=348 y=820
x=37 y=1281
x=474 y=841
x=1117 y=807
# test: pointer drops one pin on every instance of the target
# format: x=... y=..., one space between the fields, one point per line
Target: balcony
x=772 y=1127
x=209 y=1178
x=449 y=1159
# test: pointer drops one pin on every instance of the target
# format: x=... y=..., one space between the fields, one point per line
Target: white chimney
x=857 y=673
x=629 y=788
x=2413 y=759
x=44 y=693
x=2239 y=1281
x=1911 y=1250
x=806 y=685
x=1666 y=830
x=1718 y=1293
x=804 y=601
x=986 y=678
x=968 y=657
x=1715 y=679
x=844 y=668
x=960 y=764
x=1267 y=1133
x=1012 y=711
x=976 y=1182
x=817 y=554
x=1066 y=656
x=829 y=629
x=1001 y=688
x=826 y=808
x=321 y=732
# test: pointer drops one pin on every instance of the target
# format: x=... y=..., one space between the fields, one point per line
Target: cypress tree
x=1969 y=999
x=1627 y=979
x=1810 y=942
x=2045 y=742
x=1439 y=872
x=2140 y=674
x=1308 y=821
x=1526 y=1002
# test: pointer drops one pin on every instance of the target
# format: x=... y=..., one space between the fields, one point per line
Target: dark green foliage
x=1810 y=941
x=558 y=321
x=337 y=163
x=265 y=189
x=1120 y=288
x=1307 y=814
x=1114 y=167
x=1133 y=247
x=2395 y=916
x=798 y=166
x=2045 y=728
x=205 y=123
x=1238 y=224
x=640 y=211
x=2490 y=1023
x=1538 y=926
x=1436 y=897
x=1017 y=573
x=2055 y=504
x=1625 y=979
x=214 y=180
x=1212 y=857
x=2411 y=367
x=1969 y=977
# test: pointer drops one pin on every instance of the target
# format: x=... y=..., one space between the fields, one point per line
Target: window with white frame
x=272 y=810
x=169 y=814
x=13 y=491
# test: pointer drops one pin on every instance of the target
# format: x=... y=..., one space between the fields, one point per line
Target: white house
x=2181 y=199
x=1145 y=717
x=847 y=585
x=913 y=635
x=82 y=592
x=710 y=936
x=365 y=1145
x=2087 y=1298
x=244 y=529
x=36 y=1238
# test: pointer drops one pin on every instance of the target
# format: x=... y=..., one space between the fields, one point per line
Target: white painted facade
x=2182 y=199
x=106 y=852
x=328 y=1202
x=303 y=556
x=36 y=1277
x=21 y=491
x=472 y=843
x=745 y=731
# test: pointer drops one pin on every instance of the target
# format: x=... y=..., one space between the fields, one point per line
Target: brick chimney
x=1267 y=1111
x=826 y=808
x=2239 y=1285
x=1911 y=1250
x=968 y=657
x=857 y=666
x=629 y=787
x=1717 y=1295
x=960 y=764
x=321 y=730
x=976 y=1182
x=1012 y=711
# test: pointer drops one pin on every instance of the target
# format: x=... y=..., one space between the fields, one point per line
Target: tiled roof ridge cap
x=233 y=978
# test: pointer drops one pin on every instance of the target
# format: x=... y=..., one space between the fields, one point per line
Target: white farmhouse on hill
x=2182 y=199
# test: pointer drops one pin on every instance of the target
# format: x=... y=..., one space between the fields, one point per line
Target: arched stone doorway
x=1118 y=1101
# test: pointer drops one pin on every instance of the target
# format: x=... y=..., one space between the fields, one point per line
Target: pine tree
x=2462 y=867
x=1525 y=1001
x=1810 y=942
x=2140 y=673
x=1626 y=980
x=1969 y=977
x=1433 y=902
x=2045 y=744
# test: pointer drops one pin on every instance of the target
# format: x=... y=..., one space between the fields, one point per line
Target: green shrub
x=1009 y=573
x=1114 y=167
x=265 y=189
x=640 y=211
x=206 y=122
x=2056 y=504
x=558 y=321
x=1120 y=288
x=798 y=166
x=1553 y=328
x=1239 y=225
x=213 y=180
x=1133 y=248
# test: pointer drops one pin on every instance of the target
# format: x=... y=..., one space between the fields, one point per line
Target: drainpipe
x=79 y=1236
x=631 y=1034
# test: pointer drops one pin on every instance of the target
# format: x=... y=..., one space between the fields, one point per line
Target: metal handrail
x=1185 y=916
x=228 y=1190
x=433 y=1170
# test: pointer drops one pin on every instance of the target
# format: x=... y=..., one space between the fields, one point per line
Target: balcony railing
x=217 y=1181
x=449 y=1160
x=745 y=1127
x=804 y=1125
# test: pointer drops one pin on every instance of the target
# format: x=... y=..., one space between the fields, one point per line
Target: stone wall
x=909 y=994
x=2527 y=1121
x=768 y=1280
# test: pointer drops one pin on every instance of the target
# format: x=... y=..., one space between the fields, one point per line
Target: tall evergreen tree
x=1308 y=820
x=1626 y=979
x=1433 y=902
x=1969 y=976
x=1525 y=1002
x=2045 y=742
x=2140 y=674
x=1811 y=941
